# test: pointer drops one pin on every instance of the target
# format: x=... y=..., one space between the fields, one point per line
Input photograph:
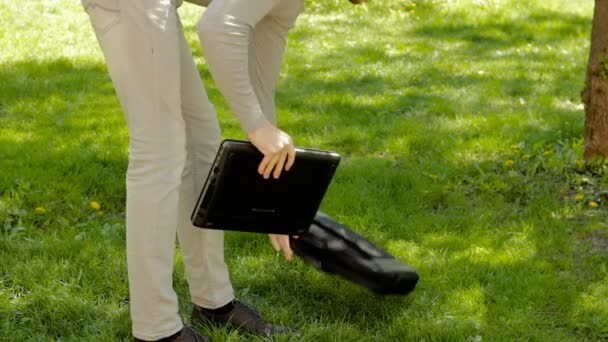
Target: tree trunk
x=595 y=94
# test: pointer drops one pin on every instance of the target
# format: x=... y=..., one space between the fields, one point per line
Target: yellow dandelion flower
x=526 y=156
x=593 y=204
x=579 y=197
x=515 y=147
x=40 y=210
x=509 y=163
x=547 y=152
x=95 y=205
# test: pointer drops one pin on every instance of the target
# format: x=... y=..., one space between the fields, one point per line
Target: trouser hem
x=158 y=336
x=215 y=304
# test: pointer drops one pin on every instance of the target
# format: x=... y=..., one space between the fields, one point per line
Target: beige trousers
x=174 y=134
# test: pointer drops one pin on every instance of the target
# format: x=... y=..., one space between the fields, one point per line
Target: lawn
x=460 y=125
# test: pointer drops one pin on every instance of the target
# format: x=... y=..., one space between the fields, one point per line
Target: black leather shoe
x=186 y=335
x=240 y=317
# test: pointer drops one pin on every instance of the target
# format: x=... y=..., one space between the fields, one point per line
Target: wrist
x=253 y=126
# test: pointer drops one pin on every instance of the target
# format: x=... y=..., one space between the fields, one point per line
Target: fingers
x=274 y=242
x=267 y=164
x=277 y=148
x=273 y=160
x=284 y=242
x=280 y=243
x=291 y=157
x=262 y=165
x=280 y=164
x=275 y=163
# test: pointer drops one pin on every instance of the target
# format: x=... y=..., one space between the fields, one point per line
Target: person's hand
x=277 y=148
x=280 y=243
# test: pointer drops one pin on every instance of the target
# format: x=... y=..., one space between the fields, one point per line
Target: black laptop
x=236 y=197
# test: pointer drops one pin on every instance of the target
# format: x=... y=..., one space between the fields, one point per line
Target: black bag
x=334 y=248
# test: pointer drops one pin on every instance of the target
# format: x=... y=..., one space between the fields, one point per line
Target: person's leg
x=202 y=249
x=140 y=42
x=259 y=52
x=266 y=50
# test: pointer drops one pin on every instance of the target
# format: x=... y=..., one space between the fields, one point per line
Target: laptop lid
x=236 y=197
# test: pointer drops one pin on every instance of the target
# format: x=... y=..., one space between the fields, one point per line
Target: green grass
x=461 y=129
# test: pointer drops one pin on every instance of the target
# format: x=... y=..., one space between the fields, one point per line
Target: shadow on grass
x=543 y=27
x=471 y=284
x=63 y=132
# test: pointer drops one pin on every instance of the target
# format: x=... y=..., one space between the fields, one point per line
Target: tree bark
x=595 y=94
